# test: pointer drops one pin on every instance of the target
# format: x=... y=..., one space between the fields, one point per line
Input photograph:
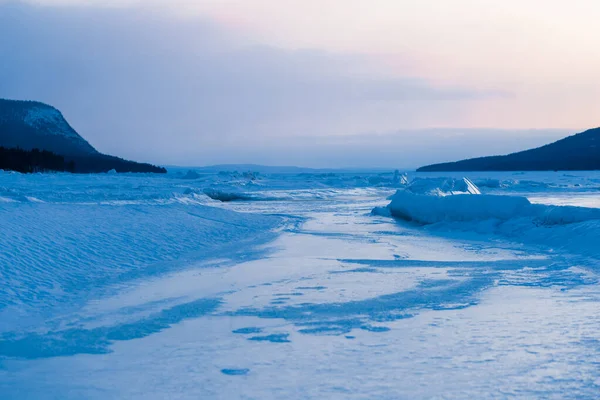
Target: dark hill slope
x=32 y=125
x=579 y=152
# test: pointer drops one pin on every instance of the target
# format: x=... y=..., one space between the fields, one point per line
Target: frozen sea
x=299 y=286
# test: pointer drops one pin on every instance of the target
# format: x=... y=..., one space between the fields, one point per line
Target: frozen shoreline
x=341 y=304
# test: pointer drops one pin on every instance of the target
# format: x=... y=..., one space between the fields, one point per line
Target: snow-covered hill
x=34 y=125
x=30 y=124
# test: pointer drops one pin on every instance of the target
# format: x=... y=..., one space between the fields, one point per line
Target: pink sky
x=322 y=68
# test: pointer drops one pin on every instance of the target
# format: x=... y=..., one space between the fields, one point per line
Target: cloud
x=155 y=87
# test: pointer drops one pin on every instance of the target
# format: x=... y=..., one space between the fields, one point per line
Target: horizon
x=516 y=145
x=314 y=84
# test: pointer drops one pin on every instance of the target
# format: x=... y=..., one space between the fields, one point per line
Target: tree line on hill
x=35 y=160
x=580 y=152
x=28 y=161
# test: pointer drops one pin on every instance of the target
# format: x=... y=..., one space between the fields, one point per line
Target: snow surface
x=152 y=287
x=42 y=116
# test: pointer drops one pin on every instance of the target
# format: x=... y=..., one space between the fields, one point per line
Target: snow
x=442 y=186
x=434 y=201
x=59 y=243
x=429 y=209
x=41 y=116
x=224 y=196
x=143 y=286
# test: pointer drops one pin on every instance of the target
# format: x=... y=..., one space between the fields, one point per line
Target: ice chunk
x=489 y=183
x=429 y=201
x=191 y=175
x=432 y=208
x=471 y=188
x=442 y=186
x=399 y=179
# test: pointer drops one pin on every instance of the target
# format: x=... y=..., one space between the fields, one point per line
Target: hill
x=31 y=125
x=580 y=152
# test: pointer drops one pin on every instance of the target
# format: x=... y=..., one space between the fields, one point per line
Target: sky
x=323 y=83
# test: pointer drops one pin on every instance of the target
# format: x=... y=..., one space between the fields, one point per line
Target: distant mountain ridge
x=580 y=152
x=29 y=125
x=281 y=169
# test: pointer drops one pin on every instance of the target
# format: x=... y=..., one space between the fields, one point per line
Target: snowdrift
x=429 y=209
x=98 y=231
x=225 y=196
x=429 y=201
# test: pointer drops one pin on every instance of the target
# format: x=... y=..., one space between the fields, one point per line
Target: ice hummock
x=434 y=200
x=191 y=174
x=227 y=196
x=455 y=205
x=399 y=179
x=429 y=201
x=442 y=186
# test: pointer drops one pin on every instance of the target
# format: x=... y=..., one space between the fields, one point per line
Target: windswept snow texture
x=65 y=236
x=339 y=285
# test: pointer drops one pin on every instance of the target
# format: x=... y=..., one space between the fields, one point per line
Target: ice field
x=345 y=285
